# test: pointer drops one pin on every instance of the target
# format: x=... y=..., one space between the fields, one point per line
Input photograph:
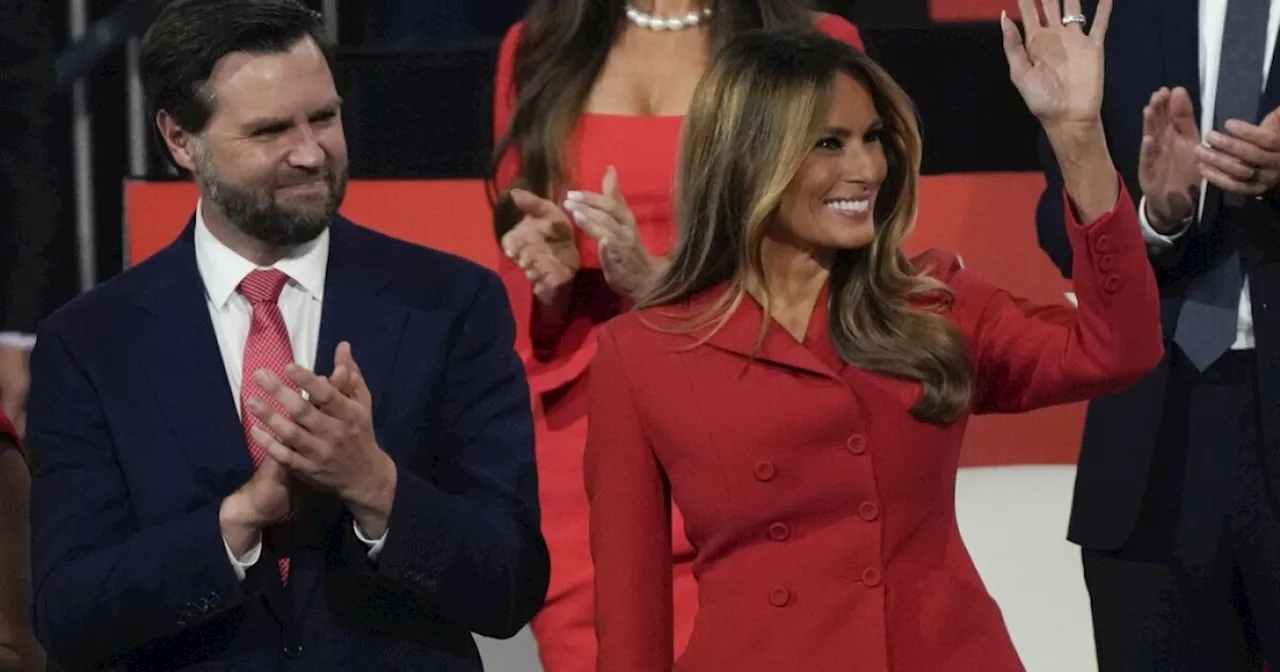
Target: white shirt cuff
x=16 y=339
x=1155 y=239
x=375 y=545
x=244 y=562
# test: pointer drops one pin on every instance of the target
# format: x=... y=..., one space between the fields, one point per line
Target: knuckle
x=287 y=432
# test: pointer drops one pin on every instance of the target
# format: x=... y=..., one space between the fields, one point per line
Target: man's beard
x=255 y=212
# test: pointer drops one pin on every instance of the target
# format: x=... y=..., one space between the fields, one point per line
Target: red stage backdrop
x=987 y=218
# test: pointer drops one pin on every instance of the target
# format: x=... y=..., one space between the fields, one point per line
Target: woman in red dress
x=799 y=389
x=19 y=650
x=590 y=102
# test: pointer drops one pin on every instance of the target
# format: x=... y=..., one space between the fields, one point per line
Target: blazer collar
x=739 y=332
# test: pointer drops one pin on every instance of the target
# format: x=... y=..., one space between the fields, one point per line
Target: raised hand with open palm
x=1058 y=70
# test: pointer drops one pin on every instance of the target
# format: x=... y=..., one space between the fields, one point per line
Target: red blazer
x=821 y=512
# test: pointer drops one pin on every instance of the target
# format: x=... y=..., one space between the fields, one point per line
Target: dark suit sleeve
x=468 y=538
x=104 y=582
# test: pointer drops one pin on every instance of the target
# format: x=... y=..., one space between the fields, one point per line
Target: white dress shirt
x=300 y=302
x=1213 y=19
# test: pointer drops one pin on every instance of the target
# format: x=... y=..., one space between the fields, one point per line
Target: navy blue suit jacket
x=136 y=441
x=1150 y=44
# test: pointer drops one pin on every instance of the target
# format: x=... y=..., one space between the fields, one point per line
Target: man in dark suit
x=201 y=498
x=1176 y=497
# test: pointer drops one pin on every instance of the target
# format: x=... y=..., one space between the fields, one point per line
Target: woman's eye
x=833 y=144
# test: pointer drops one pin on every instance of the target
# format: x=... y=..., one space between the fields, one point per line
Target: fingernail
x=254 y=405
x=262 y=377
x=574 y=196
x=579 y=216
x=572 y=205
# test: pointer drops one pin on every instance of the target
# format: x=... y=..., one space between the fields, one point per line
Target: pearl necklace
x=667 y=23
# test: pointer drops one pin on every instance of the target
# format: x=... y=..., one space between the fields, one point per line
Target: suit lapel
x=179 y=356
x=357 y=310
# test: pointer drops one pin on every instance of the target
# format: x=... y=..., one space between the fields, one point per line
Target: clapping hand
x=1245 y=159
x=628 y=266
x=1168 y=170
x=327 y=439
x=543 y=245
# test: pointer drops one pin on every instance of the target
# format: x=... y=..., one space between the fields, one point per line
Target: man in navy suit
x=285 y=441
x=1176 y=505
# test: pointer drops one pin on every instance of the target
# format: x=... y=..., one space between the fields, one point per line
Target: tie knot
x=263 y=286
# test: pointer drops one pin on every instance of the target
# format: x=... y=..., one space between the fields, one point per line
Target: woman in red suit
x=590 y=102
x=799 y=389
x=19 y=651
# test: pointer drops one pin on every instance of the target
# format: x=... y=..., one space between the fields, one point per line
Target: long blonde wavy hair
x=757 y=113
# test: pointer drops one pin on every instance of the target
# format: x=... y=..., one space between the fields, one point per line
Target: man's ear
x=181 y=143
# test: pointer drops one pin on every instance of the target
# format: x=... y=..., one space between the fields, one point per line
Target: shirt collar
x=222 y=269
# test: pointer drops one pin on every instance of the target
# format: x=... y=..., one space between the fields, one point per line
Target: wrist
x=240 y=530
x=554 y=304
x=370 y=502
x=1075 y=141
x=1162 y=221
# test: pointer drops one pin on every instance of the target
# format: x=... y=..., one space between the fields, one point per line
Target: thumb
x=357 y=389
x=271 y=469
x=342 y=357
x=1271 y=121
x=532 y=204
x=344 y=363
x=1181 y=112
x=609 y=187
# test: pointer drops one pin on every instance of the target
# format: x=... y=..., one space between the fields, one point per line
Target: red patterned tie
x=266 y=348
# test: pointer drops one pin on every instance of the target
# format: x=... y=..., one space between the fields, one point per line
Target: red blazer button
x=1112 y=284
x=869 y=511
x=779 y=597
x=765 y=471
x=1106 y=263
x=1103 y=243
x=779 y=532
x=857 y=444
x=871 y=577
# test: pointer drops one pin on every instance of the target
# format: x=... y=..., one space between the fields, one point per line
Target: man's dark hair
x=189 y=37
